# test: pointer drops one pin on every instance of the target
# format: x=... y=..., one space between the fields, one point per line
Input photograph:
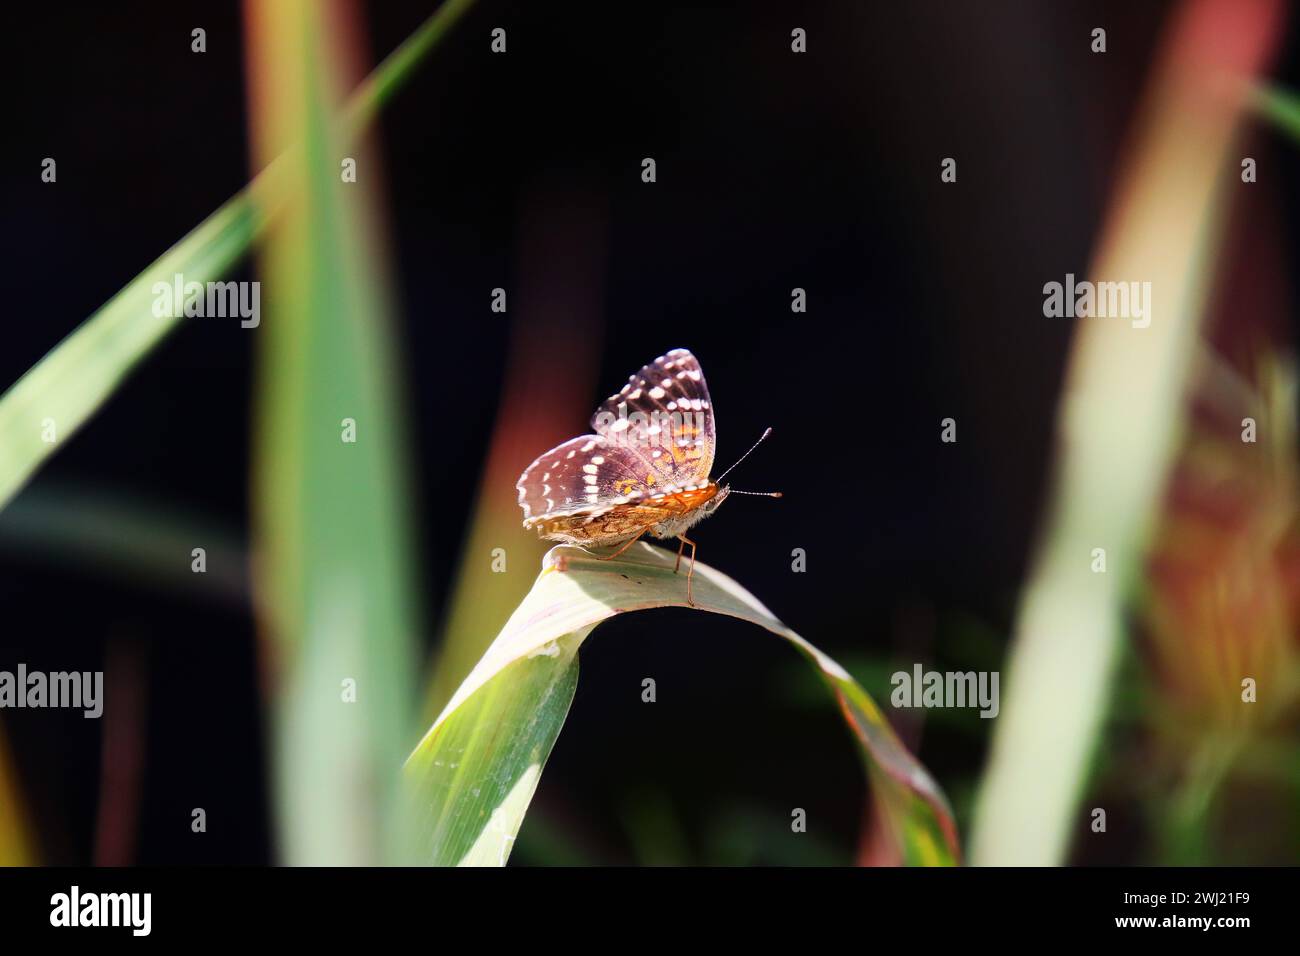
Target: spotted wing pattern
x=586 y=477
x=645 y=469
x=664 y=414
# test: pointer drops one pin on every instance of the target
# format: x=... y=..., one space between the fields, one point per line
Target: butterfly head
x=712 y=504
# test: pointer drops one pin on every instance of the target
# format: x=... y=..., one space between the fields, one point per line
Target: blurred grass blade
x=1279 y=106
x=474 y=772
x=336 y=570
x=69 y=384
x=557 y=299
x=127 y=539
x=1121 y=413
x=16 y=843
x=80 y=374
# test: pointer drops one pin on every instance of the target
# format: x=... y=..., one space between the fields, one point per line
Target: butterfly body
x=665 y=517
x=644 y=471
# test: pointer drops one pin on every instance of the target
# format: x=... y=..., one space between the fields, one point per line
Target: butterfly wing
x=584 y=476
x=665 y=416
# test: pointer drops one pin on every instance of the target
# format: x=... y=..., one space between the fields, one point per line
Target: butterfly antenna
x=744 y=456
x=761 y=494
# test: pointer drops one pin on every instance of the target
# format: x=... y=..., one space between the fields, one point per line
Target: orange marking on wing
x=690 y=451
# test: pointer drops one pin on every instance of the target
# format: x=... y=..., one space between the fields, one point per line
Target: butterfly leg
x=630 y=542
x=690 y=571
x=680 y=548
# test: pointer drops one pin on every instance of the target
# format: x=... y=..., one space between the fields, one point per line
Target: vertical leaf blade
x=334 y=557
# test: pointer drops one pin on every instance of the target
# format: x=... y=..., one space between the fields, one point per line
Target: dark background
x=774 y=171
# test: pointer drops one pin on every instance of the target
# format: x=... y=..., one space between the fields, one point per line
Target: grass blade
x=1124 y=400
x=1279 y=106
x=474 y=772
x=336 y=568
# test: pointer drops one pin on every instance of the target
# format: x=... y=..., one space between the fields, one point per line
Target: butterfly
x=645 y=470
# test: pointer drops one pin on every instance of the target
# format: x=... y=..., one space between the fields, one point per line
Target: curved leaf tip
x=475 y=771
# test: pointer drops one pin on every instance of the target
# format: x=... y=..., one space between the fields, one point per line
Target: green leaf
x=336 y=575
x=474 y=772
x=58 y=394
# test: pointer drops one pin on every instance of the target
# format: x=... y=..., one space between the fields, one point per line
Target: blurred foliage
x=1121 y=413
x=1220 y=606
x=81 y=373
x=16 y=846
